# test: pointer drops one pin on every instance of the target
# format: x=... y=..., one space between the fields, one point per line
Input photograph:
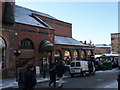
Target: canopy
x=46 y=46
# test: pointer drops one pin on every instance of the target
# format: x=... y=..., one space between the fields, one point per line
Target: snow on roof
x=25 y=16
x=67 y=41
x=106 y=55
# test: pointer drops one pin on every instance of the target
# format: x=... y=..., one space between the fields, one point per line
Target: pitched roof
x=25 y=16
x=67 y=41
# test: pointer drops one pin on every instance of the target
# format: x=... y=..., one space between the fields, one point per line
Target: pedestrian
x=52 y=74
x=30 y=78
x=60 y=68
x=44 y=67
x=90 y=66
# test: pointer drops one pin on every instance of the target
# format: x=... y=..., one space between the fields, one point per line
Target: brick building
x=115 y=43
x=38 y=36
x=102 y=49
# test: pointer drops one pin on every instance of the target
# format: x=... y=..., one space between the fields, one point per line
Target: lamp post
x=17 y=54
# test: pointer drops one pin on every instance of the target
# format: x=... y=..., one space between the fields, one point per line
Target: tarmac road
x=101 y=79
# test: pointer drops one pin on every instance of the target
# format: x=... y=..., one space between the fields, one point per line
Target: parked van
x=81 y=67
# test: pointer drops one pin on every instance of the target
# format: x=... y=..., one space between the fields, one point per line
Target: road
x=101 y=79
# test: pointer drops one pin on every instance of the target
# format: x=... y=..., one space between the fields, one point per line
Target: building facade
x=102 y=49
x=38 y=36
x=115 y=43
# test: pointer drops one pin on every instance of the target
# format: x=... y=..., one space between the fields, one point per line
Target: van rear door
x=75 y=67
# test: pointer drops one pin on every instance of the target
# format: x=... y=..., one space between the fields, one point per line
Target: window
x=72 y=64
x=26 y=44
x=75 y=54
x=77 y=64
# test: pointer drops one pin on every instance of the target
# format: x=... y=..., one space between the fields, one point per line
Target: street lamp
x=17 y=54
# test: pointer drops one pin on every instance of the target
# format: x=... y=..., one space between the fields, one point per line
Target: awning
x=46 y=46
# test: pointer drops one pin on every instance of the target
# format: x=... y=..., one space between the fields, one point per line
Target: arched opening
x=58 y=55
x=2 y=53
x=83 y=56
x=26 y=47
x=45 y=54
x=67 y=57
x=75 y=55
x=89 y=54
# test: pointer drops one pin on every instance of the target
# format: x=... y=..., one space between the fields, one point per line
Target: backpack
x=21 y=80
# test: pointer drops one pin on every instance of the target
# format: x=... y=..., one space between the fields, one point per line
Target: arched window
x=26 y=44
x=2 y=53
x=83 y=55
x=75 y=54
x=67 y=57
x=89 y=55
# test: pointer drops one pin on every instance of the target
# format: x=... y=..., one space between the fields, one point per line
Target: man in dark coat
x=52 y=74
x=90 y=66
x=60 y=68
x=30 y=78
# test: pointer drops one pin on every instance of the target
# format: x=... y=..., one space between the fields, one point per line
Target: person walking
x=60 y=68
x=90 y=66
x=30 y=78
x=52 y=75
x=44 y=68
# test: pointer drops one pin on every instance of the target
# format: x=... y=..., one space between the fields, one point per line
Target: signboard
x=38 y=70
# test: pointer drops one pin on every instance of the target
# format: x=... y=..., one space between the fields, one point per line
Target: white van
x=80 y=67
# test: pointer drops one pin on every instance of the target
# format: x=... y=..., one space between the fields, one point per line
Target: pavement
x=11 y=82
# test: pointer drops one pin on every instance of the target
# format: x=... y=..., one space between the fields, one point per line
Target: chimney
x=8 y=12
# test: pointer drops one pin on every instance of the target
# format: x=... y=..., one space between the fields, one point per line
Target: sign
x=38 y=70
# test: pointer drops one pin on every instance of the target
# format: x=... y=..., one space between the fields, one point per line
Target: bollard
x=118 y=82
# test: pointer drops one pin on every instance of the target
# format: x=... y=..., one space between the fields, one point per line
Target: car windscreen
x=77 y=64
x=72 y=64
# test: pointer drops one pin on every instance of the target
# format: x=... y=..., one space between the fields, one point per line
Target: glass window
x=77 y=64
x=75 y=54
x=83 y=55
x=26 y=44
x=72 y=64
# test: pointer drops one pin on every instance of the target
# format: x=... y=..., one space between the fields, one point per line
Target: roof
x=26 y=16
x=67 y=41
x=103 y=46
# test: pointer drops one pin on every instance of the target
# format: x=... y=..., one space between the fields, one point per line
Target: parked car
x=81 y=67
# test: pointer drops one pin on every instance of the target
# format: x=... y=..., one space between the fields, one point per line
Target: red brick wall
x=61 y=28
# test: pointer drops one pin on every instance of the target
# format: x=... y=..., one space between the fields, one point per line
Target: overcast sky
x=93 y=21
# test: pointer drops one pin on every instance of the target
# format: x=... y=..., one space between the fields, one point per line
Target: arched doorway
x=45 y=54
x=67 y=57
x=83 y=55
x=75 y=55
x=26 y=47
x=58 y=55
x=2 y=53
